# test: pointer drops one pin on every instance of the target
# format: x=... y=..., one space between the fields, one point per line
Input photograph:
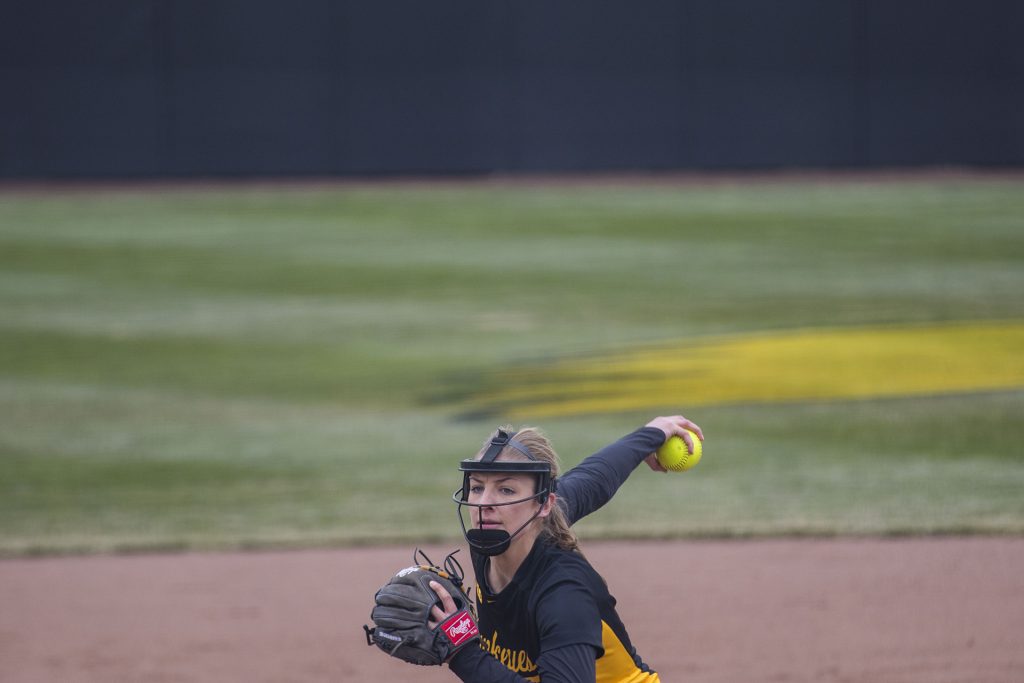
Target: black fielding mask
x=491 y=542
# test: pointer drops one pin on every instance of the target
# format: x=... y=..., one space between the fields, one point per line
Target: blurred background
x=154 y=88
x=268 y=270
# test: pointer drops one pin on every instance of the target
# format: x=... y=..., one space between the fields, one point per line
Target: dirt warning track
x=857 y=611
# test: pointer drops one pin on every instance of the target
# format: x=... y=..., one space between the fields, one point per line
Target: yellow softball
x=674 y=456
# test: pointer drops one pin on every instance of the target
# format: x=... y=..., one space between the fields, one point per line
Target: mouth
x=487 y=524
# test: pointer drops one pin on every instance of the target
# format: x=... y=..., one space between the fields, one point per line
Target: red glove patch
x=460 y=627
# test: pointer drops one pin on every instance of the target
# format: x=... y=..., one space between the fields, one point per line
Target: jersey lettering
x=517 y=661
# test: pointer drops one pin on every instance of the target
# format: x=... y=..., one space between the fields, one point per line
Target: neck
x=503 y=567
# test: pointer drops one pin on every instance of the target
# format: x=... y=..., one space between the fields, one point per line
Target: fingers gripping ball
x=673 y=454
x=402 y=608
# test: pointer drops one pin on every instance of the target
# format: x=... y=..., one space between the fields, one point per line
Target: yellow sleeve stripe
x=617 y=665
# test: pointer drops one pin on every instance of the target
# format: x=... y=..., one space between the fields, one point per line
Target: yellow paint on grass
x=801 y=365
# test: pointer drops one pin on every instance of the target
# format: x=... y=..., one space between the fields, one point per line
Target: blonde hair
x=555 y=526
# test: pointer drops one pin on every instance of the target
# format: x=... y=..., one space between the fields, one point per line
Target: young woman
x=544 y=613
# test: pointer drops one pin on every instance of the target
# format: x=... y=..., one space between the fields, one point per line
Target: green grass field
x=285 y=366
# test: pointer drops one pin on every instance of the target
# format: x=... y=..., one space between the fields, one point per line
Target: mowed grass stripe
x=807 y=364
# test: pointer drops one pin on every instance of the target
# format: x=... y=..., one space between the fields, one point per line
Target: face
x=491 y=490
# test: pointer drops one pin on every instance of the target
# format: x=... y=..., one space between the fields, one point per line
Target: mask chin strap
x=489 y=542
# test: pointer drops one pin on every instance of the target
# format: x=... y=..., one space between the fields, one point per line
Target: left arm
x=566 y=659
x=568 y=664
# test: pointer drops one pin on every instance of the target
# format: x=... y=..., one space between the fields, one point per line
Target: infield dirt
x=932 y=610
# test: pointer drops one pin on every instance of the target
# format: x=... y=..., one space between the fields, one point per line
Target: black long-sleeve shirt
x=556 y=621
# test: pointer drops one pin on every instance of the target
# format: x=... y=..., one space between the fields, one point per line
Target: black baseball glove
x=402 y=610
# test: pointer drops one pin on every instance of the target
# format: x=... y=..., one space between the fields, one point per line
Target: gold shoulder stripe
x=617 y=665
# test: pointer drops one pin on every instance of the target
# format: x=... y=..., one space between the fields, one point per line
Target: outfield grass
x=249 y=367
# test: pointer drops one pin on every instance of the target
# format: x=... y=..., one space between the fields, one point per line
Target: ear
x=545 y=509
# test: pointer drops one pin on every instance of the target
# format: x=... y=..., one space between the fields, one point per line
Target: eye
x=476 y=489
x=506 y=491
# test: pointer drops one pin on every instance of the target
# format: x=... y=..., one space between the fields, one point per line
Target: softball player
x=544 y=613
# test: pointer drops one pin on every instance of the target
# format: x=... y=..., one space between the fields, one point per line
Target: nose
x=486 y=497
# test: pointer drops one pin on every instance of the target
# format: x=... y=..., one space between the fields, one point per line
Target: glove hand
x=422 y=616
x=440 y=613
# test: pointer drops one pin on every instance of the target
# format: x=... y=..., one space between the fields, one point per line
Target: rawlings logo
x=459 y=628
x=407 y=570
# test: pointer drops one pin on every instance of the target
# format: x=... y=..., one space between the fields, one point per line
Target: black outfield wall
x=169 y=88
